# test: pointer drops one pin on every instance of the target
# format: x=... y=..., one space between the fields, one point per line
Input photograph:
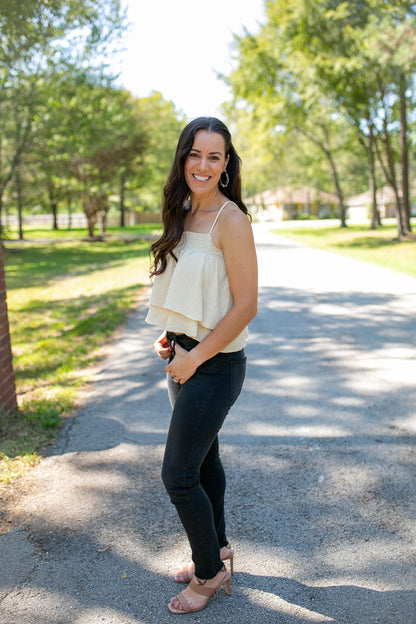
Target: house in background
x=359 y=207
x=292 y=202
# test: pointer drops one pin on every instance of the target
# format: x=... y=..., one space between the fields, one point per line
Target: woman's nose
x=202 y=164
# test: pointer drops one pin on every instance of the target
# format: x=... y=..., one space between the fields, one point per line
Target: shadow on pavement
x=320 y=457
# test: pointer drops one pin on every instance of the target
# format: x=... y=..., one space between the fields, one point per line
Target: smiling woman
x=203 y=297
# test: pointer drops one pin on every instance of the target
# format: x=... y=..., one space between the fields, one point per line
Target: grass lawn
x=357 y=241
x=31 y=233
x=65 y=300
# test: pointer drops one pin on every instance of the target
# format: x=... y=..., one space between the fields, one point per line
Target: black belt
x=181 y=339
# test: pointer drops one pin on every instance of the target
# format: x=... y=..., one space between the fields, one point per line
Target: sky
x=177 y=47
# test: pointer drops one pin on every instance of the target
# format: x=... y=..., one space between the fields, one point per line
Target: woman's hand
x=162 y=347
x=183 y=366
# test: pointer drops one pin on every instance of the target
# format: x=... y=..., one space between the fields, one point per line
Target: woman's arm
x=162 y=347
x=235 y=236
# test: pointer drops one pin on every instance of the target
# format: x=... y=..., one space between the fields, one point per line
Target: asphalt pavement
x=319 y=451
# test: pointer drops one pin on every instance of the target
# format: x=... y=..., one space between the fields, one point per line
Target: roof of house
x=292 y=195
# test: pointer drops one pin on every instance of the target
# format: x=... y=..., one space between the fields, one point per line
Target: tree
x=363 y=57
x=36 y=36
x=163 y=124
x=7 y=380
x=322 y=60
x=280 y=93
x=107 y=140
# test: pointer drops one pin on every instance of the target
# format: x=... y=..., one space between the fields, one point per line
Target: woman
x=203 y=297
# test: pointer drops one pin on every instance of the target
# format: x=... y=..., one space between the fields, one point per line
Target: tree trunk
x=95 y=206
x=69 y=204
x=20 y=144
x=367 y=142
x=327 y=151
x=18 y=182
x=375 y=215
x=90 y=211
x=404 y=156
x=103 y=221
x=122 y=196
x=8 y=401
x=53 y=202
x=1 y=211
x=390 y=175
x=335 y=177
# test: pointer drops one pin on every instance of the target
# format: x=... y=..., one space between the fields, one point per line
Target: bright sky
x=177 y=47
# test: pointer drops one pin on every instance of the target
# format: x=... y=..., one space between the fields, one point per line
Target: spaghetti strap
x=218 y=214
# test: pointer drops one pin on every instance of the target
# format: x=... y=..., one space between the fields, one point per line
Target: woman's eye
x=193 y=155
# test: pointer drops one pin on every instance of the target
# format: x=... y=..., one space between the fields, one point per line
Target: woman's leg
x=198 y=414
x=213 y=481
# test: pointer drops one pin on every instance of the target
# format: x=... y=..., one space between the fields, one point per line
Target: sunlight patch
x=320 y=431
x=270 y=601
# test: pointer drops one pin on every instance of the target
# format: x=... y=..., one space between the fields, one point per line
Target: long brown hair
x=176 y=190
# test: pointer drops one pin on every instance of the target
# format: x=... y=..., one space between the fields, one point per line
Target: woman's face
x=205 y=162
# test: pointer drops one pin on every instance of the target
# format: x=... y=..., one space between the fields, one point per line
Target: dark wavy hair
x=176 y=190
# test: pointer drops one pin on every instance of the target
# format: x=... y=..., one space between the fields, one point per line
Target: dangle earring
x=227 y=179
x=187 y=204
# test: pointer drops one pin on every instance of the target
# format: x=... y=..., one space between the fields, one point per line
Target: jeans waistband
x=182 y=339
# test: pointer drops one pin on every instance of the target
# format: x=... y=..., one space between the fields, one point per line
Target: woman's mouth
x=199 y=178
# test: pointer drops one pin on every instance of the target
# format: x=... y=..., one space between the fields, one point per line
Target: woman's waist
x=183 y=340
x=189 y=343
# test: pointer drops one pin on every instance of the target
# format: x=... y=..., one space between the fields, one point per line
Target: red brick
x=8 y=397
x=10 y=404
x=7 y=378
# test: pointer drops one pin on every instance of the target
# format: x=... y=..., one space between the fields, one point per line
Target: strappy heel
x=187 y=572
x=230 y=558
x=200 y=588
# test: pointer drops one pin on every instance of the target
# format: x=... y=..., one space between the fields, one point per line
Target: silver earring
x=227 y=179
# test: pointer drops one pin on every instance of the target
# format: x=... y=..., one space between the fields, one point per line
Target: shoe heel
x=227 y=586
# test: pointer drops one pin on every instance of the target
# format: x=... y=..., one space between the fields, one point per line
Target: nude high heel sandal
x=200 y=588
x=186 y=574
x=230 y=558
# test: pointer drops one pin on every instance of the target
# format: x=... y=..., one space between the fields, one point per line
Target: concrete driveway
x=319 y=452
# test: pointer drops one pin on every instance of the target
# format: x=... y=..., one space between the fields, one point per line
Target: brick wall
x=7 y=382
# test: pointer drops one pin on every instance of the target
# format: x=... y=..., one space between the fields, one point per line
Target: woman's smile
x=199 y=178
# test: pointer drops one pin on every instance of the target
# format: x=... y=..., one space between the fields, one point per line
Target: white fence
x=78 y=220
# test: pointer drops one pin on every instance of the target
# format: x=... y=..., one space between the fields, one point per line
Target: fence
x=78 y=220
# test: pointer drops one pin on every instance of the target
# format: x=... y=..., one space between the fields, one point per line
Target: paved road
x=319 y=451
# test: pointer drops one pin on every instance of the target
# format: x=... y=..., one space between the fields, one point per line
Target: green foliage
x=163 y=125
x=75 y=138
x=36 y=38
x=337 y=74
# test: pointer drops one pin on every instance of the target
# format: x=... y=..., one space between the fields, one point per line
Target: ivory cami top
x=193 y=294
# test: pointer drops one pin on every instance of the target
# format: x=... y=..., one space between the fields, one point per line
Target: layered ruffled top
x=193 y=294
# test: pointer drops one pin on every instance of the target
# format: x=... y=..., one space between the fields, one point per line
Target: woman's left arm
x=234 y=234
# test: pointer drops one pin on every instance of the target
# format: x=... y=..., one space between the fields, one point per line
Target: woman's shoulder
x=232 y=216
x=234 y=227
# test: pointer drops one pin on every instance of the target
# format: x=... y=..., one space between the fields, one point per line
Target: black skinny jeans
x=192 y=471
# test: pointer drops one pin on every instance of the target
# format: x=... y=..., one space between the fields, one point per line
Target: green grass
x=31 y=233
x=375 y=246
x=65 y=299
